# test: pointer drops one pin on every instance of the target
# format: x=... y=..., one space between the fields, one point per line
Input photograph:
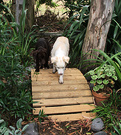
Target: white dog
x=59 y=56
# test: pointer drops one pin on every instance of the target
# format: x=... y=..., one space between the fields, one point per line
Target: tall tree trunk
x=30 y=13
x=17 y=8
x=98 y=27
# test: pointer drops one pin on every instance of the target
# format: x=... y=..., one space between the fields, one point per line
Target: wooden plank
x=72 y=117
x=67 y=71
x=65 y=109
x=51 y=74
x=60 y=94
x=55 y=82
x=63 y=101
x=53 y=78
x=62 y=87
x=48 y=73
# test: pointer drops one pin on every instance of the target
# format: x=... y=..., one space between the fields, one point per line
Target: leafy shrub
x=114 y=60
x=114 y=33
x=15 y=94
x=74 y=5
x=103 y=77
x=76 y=32
x=47 y=2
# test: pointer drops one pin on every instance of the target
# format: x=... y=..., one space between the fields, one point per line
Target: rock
x=100 y=133
x=91 y=86
x=32 y=129
x=97 y=125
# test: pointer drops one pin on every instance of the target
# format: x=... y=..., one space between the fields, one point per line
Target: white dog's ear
x=66 y=59
x=53 y=59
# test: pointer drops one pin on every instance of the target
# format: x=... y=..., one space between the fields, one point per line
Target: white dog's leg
x=54 y=68
x=61 y=79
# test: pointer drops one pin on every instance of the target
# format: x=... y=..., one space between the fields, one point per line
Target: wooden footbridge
x=62 y=102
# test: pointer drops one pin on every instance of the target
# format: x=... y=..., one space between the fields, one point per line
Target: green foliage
x=5 y=9
x=76 y=31
x=103 y=77
x=24 y=38
x=114 y=33
x=113 y=60
x=47 y=2
x=12 y=130
x=41 y=116
x=117 y=129
x=110 y=59
x=109 y=112
x=3 y=129
x=15 y=95
x=15 y=105
x=75 y=5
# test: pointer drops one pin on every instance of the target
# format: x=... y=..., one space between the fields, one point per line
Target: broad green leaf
x=114 y=77
x=99 y=81
x=101 y=86
x=95 y=88
x=91 y=72
x=105 y=82
x=18 y=124
x=109 y=74
x=94 y=77
x=25 y=127
x=103 y=76
x=93 y=81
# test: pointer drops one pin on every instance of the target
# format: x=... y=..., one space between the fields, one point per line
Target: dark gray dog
x=41 y=54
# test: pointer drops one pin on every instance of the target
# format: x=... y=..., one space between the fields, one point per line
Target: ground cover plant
x=18 y=130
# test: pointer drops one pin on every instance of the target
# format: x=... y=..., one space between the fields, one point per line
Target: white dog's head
x=60 y=63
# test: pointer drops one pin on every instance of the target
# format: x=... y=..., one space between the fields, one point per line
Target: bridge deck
x=62 y=102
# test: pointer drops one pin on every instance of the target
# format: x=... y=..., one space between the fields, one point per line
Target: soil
x=51 y=22
x=80 y=127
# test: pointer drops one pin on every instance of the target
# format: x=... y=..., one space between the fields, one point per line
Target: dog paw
x=37 y=70
x=54 y=72
x=61 y=82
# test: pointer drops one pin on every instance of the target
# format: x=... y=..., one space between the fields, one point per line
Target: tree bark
x=30 y=13
x=98 y=27
x=17 y=8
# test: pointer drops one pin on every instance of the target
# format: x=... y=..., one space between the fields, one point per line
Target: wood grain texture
x=61 y=102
